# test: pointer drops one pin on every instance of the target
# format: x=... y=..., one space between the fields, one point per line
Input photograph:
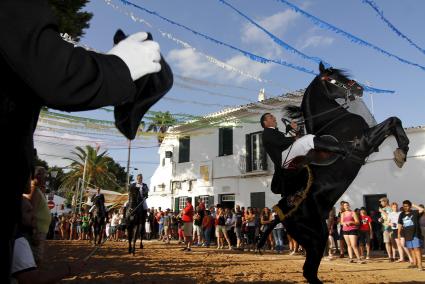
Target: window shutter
x=228 y=141
x=248 y=165
x=263 y=154
x=220 y=142
x=176 y=205
x=225 y=141
x=184 y=149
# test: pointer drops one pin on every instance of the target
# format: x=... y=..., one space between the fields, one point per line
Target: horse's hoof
x=312 y=279
x=399 y=157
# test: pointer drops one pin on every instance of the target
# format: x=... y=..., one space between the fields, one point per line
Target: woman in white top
x=395 y=241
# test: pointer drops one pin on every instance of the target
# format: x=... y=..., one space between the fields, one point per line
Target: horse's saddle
x=296 y=184
x=316 y=157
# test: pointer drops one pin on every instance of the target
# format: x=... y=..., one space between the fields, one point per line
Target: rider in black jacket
x=283 y=149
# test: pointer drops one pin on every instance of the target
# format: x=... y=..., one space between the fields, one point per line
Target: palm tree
x=160 y=123
x=98 y=171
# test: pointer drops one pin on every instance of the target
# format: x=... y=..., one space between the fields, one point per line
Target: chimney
x=261 y=95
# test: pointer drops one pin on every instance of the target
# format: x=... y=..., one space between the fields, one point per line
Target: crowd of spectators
x=398 y=231
x=357 y=234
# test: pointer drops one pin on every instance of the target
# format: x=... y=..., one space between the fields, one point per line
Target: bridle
x=348 y=87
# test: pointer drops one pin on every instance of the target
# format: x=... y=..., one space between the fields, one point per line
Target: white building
x=220 y=159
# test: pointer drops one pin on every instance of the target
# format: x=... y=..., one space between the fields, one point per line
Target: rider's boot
x=332 y=146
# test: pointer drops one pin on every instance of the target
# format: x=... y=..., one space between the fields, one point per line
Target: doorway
x=227 y=201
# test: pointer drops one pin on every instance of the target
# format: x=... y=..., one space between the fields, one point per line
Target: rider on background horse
x=138 y=193
x=143 y=191
x=98 y=200
x=282 y=149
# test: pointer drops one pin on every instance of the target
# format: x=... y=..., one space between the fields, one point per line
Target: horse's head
x=338 y=85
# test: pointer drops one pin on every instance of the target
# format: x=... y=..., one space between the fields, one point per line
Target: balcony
x=256 y=167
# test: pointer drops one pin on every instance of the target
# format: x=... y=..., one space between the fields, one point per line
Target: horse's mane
x=293 y=111
x=341 y=73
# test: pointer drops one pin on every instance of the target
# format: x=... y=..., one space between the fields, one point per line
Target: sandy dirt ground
x=161 y=263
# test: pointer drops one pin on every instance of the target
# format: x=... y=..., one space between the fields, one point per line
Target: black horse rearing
x=324 y=116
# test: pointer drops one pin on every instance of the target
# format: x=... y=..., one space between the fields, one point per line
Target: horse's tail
x=293 y=111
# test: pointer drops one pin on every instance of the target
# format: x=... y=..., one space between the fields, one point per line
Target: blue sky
x=218 y=21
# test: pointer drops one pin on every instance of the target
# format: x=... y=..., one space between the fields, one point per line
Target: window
x=227 y=197
x=160 y=187
x=175 y=186
x=180 y=203
x=225 y=141
x=184 y=149
x=208 y=200
x=256 y=157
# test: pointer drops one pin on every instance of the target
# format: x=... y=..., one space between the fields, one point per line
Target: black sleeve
x=63 y=76
x=277 y=139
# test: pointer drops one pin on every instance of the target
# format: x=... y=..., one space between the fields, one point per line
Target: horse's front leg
x=377 y=134
x=136 y=233
x=129 y=237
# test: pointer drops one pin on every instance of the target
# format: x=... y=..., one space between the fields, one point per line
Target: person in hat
x=40 y=69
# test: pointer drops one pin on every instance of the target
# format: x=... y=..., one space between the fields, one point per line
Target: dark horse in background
x=324 y=116
x=99 y=216
x=135 y=218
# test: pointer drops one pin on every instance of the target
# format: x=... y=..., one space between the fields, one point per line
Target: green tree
x=98 y=171
x=160 y=123
x=120 y=175
x=70 y=18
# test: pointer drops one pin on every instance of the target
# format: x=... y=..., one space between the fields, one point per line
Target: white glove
x=140 y=55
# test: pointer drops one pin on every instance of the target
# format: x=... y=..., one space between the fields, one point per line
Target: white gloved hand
x=140 y=55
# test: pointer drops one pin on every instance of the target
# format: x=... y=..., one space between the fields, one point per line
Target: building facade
x=220 y=159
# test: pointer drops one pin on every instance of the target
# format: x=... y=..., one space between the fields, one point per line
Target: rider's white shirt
x=140 y=186
x=299 y=148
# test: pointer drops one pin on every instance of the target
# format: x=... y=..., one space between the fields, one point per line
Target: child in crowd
x=365 y=233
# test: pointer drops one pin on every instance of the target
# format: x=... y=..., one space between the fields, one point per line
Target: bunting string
x=324 y=25
x=380 y=13
x=184 y=44
x=275 y=38
x=203 y=82
x=248 y=54
x=185 y=86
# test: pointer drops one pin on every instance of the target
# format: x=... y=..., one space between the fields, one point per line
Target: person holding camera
x=385 y=210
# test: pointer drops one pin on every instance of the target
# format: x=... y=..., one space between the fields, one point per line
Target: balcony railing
x=256 y=165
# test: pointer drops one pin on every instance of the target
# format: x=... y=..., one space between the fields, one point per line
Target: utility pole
x=75 y=197
x=128 y=165
x=83 y=186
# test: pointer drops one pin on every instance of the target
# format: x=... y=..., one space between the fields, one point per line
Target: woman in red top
x=350 y=223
